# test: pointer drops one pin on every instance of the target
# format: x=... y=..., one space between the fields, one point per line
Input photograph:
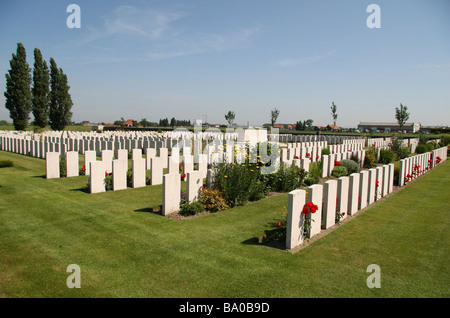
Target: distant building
x=128 y=123
x=388 y=127
x=333 y=128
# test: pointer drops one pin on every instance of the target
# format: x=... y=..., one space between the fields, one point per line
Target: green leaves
x=60 y=101
x=21 y=99
x=18 y=92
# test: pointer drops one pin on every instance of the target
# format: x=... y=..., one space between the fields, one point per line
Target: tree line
x=43 y=91
x=164 y=122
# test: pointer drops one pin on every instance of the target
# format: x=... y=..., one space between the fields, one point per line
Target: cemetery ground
x=125 y=250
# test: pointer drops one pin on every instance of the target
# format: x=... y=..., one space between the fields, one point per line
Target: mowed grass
x=124 y=250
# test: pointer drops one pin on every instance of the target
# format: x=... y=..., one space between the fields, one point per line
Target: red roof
x=129 y=122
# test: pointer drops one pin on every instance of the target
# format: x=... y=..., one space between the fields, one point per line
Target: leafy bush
x=397 y=147
x=370 y=158
x=287 y=178
x=258 y=191
x=402 y=153
x=386 y=156
x=191 y=208
x=212 y=199
x=350 y=165
x=315 y=170
x=108 y=181
x=130 y=178
x=6 y=163
x=445 y=140
x=339 y=171
x=354 y=158
x=325 y=151
x=310 y=181
x=236 y=181
x=62 y=167
x=423 y=148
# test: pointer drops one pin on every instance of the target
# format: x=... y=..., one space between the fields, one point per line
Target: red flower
x=83 y=168
x=296 y=157
x=307 y=155
x=106 y=173
x=377 y=183
x=305 y=211
x=279 y=224
x=343 y=213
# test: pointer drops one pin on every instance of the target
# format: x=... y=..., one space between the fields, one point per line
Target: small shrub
x=236 y=181
x=6 y=163
x=325 y=151
x=370 y=158
x=386 y=156
x=213 y=200
x=108 y=181
x=445 y=140
x=130 y=178
x=310 y=181
x=402 y=153
x=354 y=158
x=258 y=191
x=287 y=178
x=339 y=171
x=315 y=170
x=191 y=208
x=350 y=165
x=422 y=148
x=62 y=167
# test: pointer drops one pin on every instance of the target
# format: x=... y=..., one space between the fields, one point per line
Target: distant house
x=128 y=123
x=333 y=127
x=280 y=126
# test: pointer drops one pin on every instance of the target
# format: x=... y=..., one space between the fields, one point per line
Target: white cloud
x=157 y=34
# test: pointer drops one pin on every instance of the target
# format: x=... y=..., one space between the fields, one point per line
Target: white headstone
x=193 y=186
x=363 y=188
x=156 y=167
x=52 y=165
x=295 y=219
x=353 y=196
x=315 y=194
x=120 y=168
x=97 y=177
x=329 y=206
x=171 y=193
x=138 y=168
x=72 y=167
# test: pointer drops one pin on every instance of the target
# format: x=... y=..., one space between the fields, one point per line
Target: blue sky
x=197 y=59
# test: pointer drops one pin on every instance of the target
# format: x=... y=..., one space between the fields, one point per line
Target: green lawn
x=124 y=250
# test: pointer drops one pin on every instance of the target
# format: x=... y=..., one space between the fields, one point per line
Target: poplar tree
x=18 y=92
x=40 y=90
x=60 y=114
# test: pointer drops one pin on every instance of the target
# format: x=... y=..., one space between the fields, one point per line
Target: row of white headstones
x=348 y=195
